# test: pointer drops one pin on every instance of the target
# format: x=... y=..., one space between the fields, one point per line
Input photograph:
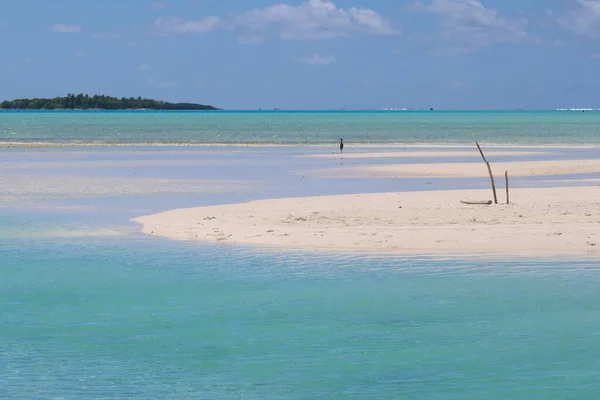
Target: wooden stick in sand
x=490 y=172
x=506 y=180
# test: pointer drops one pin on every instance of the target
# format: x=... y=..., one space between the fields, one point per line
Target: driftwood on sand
x=475 y=202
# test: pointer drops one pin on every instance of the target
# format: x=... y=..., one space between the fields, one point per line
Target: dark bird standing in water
x=341 y=145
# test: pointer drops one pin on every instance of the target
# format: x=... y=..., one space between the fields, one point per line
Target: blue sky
x=355 y=54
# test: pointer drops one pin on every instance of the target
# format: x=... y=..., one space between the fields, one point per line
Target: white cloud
x=62 y=28
x=145 y=68
x=317 y=59
x=467 y=25
x=310 y=20
x=583 y=18
x=313 y=20
x=179 y=25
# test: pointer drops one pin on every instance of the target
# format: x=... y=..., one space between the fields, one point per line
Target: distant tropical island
x=97 y=102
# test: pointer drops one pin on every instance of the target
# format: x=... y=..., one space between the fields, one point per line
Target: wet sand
x=463 y=170
x=424 y=154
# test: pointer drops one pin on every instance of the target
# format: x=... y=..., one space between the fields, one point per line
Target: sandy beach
x=424 y=154
x=464 y=170
x=548 y=221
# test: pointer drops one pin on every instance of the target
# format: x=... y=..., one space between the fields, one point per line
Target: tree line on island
x=97 y=102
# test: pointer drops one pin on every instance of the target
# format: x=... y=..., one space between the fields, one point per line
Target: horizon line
x=266 y=110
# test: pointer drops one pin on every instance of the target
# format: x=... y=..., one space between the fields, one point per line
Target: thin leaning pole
x=506 y=180
x=490 y=172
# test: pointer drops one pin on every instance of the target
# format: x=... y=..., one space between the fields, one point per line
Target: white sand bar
x=548 y=221
x=465 y=170
x=424 y=154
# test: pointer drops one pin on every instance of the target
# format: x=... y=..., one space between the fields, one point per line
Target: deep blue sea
x=92 y=309
x=300 y=127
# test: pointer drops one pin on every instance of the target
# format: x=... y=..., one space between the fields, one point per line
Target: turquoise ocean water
x=301 y=127
x=124 y=316
x=129 y=319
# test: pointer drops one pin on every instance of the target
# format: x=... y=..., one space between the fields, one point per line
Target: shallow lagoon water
x=126 y=316
x=134 y=319
x=78 y=191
